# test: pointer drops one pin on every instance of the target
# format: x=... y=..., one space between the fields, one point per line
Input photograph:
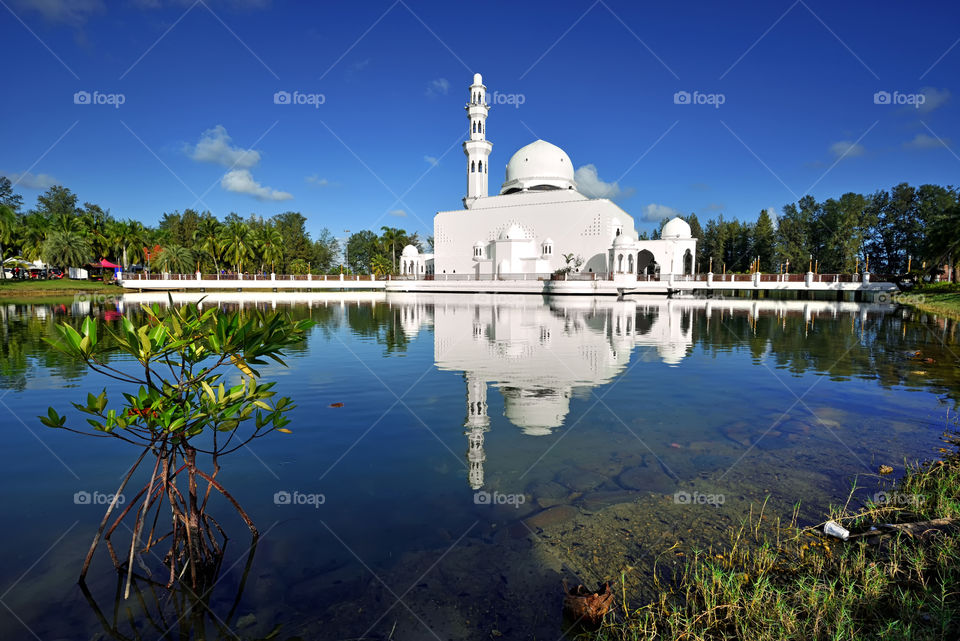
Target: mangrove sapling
x=179 y=407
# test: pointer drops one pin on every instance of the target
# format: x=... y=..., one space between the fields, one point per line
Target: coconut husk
x=586 y=606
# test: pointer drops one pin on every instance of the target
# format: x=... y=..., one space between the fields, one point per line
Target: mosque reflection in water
x=538 y=353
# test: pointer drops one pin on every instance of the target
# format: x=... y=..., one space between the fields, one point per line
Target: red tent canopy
x=103 y=262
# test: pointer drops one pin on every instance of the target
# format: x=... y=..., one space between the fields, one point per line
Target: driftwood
x=585 y=606
x=923 y=529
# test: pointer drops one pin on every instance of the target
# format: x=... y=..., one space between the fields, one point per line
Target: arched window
x=630 y=263
x=474 y=127
x=480 y=166
x=480 y=127
x=473 y=167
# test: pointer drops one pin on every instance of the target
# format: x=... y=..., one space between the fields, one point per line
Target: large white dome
x=676 y=228
x=539 y=166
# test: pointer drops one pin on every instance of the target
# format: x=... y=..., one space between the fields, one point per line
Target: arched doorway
x=687 y=263
x=646 y=263
x=630 y=263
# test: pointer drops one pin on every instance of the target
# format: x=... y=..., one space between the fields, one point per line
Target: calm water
x=486 y=448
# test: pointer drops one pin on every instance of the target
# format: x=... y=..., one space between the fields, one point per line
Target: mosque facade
x=539 y=222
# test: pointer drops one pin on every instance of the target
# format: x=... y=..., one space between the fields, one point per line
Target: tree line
x=902 y=229
x=62 y=233
x=906 y=228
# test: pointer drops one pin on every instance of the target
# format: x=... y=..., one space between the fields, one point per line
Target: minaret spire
x=477 y=148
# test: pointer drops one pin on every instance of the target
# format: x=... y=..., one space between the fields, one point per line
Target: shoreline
x=776 y=580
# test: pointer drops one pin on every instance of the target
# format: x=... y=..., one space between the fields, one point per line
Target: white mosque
x=538 y=217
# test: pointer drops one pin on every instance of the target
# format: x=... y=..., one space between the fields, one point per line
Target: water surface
x=487 y=447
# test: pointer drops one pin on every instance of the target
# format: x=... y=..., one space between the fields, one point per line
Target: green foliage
x=179 y=390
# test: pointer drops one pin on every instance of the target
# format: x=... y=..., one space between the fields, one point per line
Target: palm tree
x=206 y=238
x=237 y=244
x=175 y=259
x=391 y=237
x=128 y=235
x=8 y=222
x=380 y=265
x=31 y=237
x=65 y=249
x=270 y=246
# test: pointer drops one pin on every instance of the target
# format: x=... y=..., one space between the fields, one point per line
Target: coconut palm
x=128 y=236
x=31 y=236
x=380 y=265
x=8 y=222
x=390 y=238
x=237 y=244
x=270 y=246
x=66 y=249
x=206 y=238
x=175 y=259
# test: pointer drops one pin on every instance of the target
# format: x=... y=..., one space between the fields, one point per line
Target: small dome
x=514 y=232
x=623 y=241
x=539 y=166
x=410 y=250
x=479 y=243
x=676 y=228
x=548 y=241
x=477 y=79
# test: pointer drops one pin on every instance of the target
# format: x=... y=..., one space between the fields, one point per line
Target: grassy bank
x=938 y=298
x=777 y=583
x=51 y=289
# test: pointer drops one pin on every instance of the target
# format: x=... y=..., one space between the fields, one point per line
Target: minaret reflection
x=477 y=423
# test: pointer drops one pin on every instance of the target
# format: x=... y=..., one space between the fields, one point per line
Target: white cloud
x=317 y=180
x=590 y=184
x=399 y=213
x=774 y=216
x=655 y=213
x=438 y=87
x=846 y=148
x=241 y=181
x=933 y=98
x=432 y=160
x=714 y=207
x=214 y=147
x=923 y=141
x=72 y=12
x=32 y=181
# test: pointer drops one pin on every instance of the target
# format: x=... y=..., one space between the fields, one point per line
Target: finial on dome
x=477 y=79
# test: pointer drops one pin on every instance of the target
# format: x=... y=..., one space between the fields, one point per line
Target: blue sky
x=198 y=125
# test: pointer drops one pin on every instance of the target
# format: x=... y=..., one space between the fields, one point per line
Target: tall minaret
x=477 y=148
x=477 y=423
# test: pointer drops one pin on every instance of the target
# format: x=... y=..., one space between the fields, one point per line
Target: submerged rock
x=644 y=478
x=580 y=480
x=550 y=517
x=598 y=500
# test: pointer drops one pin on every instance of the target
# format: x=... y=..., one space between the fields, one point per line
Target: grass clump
x=781 y=582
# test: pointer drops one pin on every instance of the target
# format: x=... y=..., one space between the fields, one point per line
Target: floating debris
x=834 y=529
x=336 y=404
x=886 y=469
x=585 y=606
